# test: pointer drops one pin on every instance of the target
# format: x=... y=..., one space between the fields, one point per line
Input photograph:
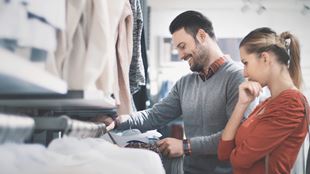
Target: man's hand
x=171 y=147
x=107 y=120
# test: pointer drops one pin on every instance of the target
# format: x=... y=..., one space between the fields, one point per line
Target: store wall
x=229 y=22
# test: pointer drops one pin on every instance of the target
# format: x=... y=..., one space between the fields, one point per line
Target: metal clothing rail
x=70 y=127
x=15 y=128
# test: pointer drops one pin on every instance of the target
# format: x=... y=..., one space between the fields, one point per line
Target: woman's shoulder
x=290 y=97
x=288 y=104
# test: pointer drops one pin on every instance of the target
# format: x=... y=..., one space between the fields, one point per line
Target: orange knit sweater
x=276 y=127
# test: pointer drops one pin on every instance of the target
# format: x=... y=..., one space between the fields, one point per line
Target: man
x=205 y=98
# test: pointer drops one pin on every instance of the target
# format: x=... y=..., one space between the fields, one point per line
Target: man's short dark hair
x=192 y=21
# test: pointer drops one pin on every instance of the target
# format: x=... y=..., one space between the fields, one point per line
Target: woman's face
x=254 y=67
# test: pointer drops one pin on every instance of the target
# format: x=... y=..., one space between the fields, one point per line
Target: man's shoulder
x=232 y=66
x=189 y=76
x=187 y=79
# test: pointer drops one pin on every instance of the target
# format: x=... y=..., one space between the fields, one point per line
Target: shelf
x=73 y=100
x=25 y=85
x=19 y=76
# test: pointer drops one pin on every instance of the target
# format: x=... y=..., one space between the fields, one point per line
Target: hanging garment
x=141 y=98
x=136 y=72
x=124 y=54
x=95 y=39
x=84 y=49
x=115 y=12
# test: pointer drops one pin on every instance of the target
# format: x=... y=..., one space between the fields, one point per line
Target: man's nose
x=182 y=55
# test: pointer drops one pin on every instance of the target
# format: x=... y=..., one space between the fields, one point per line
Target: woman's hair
x=285 y=46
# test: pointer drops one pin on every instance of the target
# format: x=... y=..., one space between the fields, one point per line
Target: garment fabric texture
x=205 y=107
x=173 y=165
x=30 y=26
x=124 y=55
x=95 y=50
x=142 y=96
x=103 y=156
x=276 y=127
x=136 y=71
x=72 y=155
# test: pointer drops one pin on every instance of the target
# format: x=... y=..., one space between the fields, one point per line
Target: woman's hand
x=248 y=91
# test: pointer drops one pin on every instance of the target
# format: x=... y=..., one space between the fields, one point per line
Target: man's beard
x=196 y=67
x=199 y=59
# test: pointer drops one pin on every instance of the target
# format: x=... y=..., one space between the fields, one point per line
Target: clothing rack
x=69 y=127
x=15 y=128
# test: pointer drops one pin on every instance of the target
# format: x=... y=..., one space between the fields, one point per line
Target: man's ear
x=201 y=35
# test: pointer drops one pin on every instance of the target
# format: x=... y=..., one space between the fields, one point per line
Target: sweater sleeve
x=278 y=121
x=160 y=114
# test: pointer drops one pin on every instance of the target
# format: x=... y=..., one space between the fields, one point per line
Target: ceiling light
x=261 y=9
x=305 y=10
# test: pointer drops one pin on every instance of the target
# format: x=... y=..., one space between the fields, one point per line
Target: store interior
x=66 y=62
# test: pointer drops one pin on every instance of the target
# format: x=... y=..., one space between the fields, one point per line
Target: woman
x=275 y=130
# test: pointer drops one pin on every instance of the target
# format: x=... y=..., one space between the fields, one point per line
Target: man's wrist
x=116 y=121
x=187 y=147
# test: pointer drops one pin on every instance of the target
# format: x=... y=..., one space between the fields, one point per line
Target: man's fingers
x=110 y=126
x=162 y=146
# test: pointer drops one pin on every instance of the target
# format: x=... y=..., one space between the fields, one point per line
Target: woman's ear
x=265 y=57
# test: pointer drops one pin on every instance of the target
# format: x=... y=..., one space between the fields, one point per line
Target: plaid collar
x=213 y=68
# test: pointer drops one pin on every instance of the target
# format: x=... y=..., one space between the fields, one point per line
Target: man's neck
x=211 y=61
x=215 y=54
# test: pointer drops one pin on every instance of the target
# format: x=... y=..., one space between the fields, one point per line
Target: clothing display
x=89 y=45
x=133 y=160
x=73 y=153
x=204 y=113
x=70 y=155
x=84 y=61
x=30 y=26
x=284 y=116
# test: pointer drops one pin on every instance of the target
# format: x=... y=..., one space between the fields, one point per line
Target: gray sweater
x=205 y=107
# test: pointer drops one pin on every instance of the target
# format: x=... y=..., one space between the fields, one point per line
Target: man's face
x=190 y=50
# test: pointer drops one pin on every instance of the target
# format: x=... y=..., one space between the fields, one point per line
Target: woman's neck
x=279 y=82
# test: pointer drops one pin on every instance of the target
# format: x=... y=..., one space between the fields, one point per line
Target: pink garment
x=124 y=54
